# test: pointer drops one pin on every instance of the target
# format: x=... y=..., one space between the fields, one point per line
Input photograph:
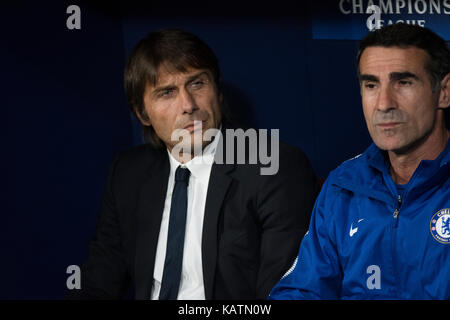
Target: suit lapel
x=150 y=208
x=219 y=182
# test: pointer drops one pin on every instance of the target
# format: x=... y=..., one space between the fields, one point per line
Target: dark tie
x=175 y=238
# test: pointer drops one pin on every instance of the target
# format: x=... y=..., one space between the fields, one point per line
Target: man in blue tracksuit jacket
x=380 y=228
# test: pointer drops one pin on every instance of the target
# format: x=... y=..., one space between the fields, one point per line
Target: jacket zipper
x=393 y=243
x=397 y=210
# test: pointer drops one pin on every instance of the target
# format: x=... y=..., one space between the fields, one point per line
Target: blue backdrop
x=67 y=115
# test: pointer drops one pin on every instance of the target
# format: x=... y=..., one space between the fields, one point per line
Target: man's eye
x=369 y=85
x=405 y=82
x=197 y=84
x=166 y=93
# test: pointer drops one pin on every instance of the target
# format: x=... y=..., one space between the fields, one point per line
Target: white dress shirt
x=191 y=283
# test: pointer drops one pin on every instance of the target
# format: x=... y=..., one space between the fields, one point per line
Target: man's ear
x=444 y=94
x=143 y=117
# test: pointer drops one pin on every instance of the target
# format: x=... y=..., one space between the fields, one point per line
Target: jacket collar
x=378 y=159
x=369 y=174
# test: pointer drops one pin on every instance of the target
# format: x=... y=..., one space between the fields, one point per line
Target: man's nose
x=187 y=102
x=386 y=100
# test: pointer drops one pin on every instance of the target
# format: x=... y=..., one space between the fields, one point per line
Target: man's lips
x=194 y=126
x=389 y=124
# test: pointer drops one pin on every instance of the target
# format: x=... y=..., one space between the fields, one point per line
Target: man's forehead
x=392 y=59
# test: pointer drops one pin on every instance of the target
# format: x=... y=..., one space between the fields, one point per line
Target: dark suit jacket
x=253 y=225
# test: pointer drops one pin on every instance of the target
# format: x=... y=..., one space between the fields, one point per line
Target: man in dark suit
x=179 y=228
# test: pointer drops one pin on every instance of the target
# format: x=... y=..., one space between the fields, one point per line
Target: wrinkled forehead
x=183 y=65
x=168 y=71
x=393 y=59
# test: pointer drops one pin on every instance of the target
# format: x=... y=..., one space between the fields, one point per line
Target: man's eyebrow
x=197 y=75
x=173 y=87
x=402 y=75
x=368 y=77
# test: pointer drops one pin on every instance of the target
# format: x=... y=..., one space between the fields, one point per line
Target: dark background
x=66 y=114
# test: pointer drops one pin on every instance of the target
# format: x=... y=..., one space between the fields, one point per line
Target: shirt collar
x=200 y=165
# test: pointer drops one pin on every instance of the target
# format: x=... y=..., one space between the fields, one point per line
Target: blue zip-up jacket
x=367 y=242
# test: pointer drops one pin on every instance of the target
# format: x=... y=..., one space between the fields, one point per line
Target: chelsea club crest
x=440 y=226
